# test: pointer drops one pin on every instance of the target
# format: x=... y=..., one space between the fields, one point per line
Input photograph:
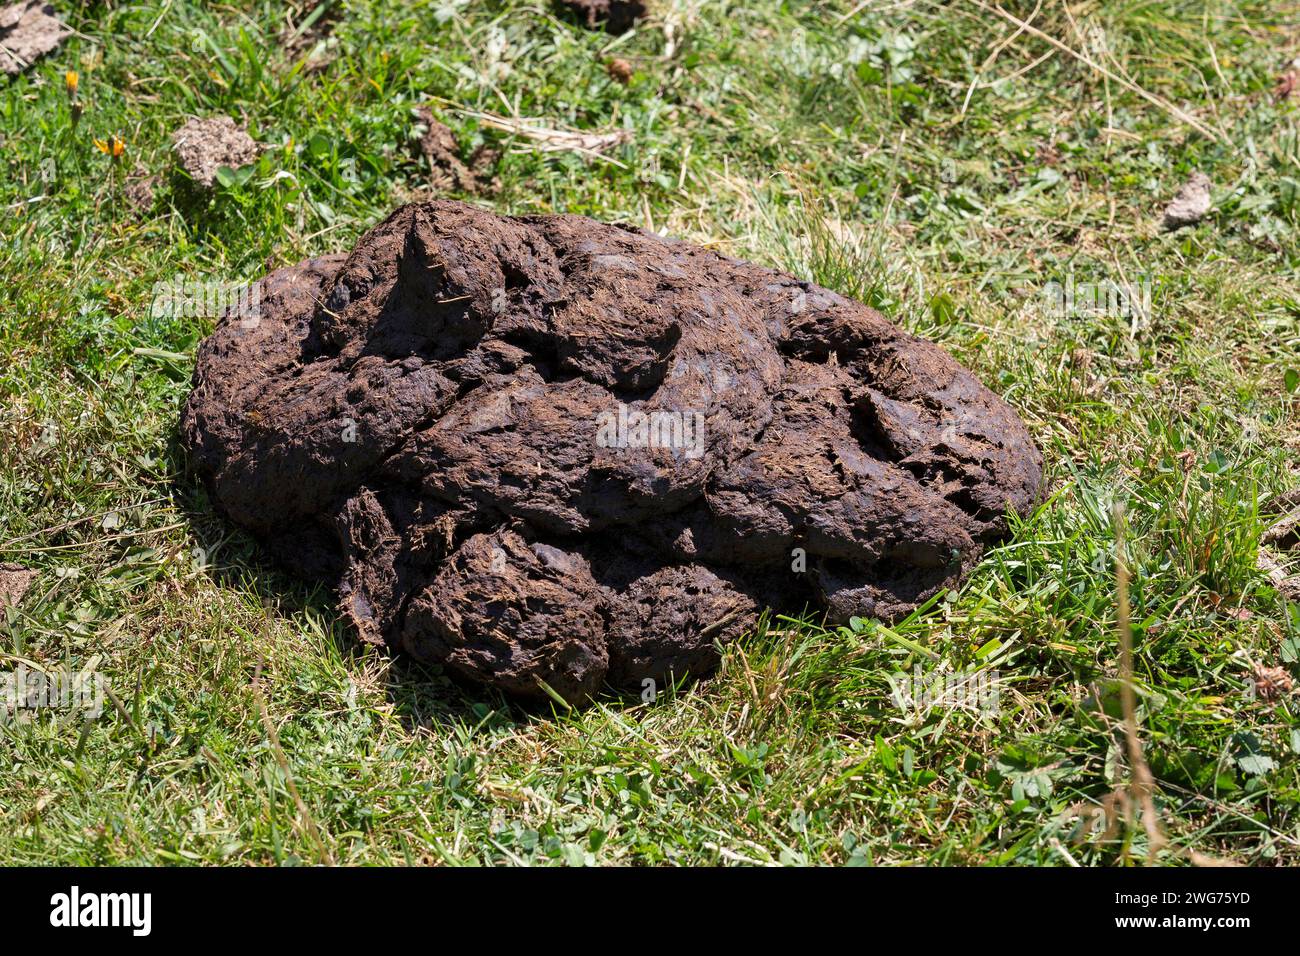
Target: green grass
x=783 y=132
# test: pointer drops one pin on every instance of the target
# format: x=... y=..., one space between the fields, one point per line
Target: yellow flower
x=70 y=81
x=113 y=146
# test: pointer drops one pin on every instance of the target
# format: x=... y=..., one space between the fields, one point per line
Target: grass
x=247 y=726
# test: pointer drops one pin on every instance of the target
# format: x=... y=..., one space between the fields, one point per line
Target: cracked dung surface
x=442 y=424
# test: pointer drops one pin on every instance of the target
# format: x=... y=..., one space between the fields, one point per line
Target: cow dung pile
x=550 y=453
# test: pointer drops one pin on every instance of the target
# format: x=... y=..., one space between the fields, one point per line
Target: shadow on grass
x=424 y=697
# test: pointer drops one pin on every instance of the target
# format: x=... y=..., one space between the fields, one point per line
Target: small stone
x=619 y=70
x=1191 y=203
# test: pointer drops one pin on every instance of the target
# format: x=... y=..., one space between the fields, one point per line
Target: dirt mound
x=617 y=15
x=14 y=582
x=311 y=36
x=28 y=30
x=549 y=449
x=437 y=146
x=205 y=145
